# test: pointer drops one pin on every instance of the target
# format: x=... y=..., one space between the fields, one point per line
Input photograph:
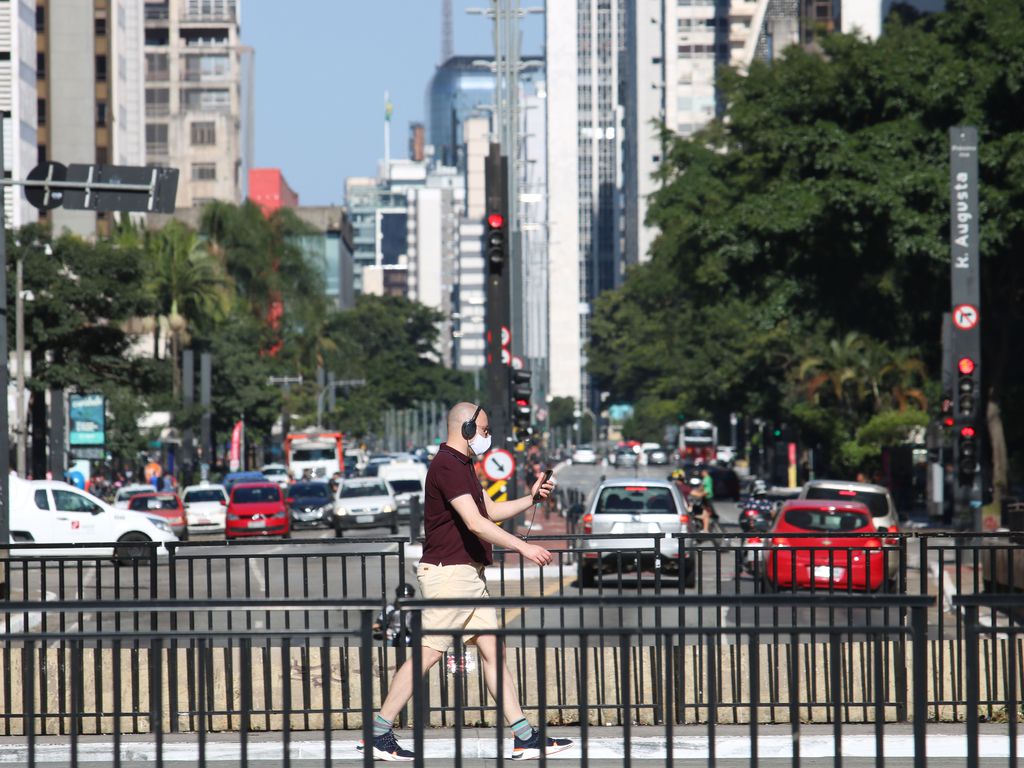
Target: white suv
x=632 y=508
x=875 y=497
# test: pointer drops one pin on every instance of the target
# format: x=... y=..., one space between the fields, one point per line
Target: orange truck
x=313 y=454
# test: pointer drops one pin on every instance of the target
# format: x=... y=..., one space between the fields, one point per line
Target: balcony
x=157 y=12
x=158 y=110
x=158 y=75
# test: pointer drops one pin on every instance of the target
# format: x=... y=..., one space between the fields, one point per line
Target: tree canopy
x=817 y=207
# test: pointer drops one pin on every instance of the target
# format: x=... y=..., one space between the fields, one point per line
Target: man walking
x=459 y=523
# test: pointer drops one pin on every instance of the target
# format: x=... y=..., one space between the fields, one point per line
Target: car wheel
x=588 y=576
x=130 y=547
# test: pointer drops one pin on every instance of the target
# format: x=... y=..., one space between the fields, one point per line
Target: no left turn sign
x=965 y=317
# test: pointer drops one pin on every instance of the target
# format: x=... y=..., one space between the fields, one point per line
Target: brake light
x=636 y=488
x=684 y=520
x=588 y=523
x=847 y=493
x=749 y=513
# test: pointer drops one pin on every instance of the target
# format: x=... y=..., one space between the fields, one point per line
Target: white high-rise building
x=198 y=97
x=585 y=44
x=18 y=103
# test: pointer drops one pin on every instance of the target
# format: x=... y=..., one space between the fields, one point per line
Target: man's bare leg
x=401 y=684
x=488 y=648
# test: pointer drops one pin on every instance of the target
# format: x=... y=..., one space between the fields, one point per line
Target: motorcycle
x=754 y=519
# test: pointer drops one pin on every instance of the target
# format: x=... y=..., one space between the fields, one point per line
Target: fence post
x=973 y=694
x=366 y=683
x=919 y=634
x=415 y=518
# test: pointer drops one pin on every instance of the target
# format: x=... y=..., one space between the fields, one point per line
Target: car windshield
x=635 y=499
x=825 y=520
x=874 y=501
x=314 y=454
x=406 y=486
x=208 y=494
x=310 y=490
x=255 y=495
x=146 y=503
x=126 y=494
x=354 y=491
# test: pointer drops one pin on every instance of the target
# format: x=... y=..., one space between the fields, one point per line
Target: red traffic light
x=966 y=366
x=495 y=221
x=967 y=432
x=948 y=421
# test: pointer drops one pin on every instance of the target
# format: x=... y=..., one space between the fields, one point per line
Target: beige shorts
x=439 y=582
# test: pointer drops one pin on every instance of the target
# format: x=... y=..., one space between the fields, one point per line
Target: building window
x=101 y=69
x=207 y=100
x=101 y=114
x=158 y=102
x=101 y=26
x=41 y=111
x=156 y=139
x=157 y=67
x=40 y=66
x=204 y=171
x=204 y=134
x=40 y=18
x=102 y=156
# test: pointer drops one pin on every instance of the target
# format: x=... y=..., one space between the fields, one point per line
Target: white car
x=406 y=479
x=276 y=473
x=584 y=455
x=55 y=513
x=365 y=502
x=725 y=454
x=205 y=507
x=125 y=493
x=876 y=497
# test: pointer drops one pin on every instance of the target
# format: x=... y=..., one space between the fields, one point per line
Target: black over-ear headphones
x=469 y=426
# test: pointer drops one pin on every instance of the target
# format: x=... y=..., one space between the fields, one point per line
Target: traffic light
x=967 y=455
x=497 y=248
x=965 y=388
x=522 y=413
x=946 y=412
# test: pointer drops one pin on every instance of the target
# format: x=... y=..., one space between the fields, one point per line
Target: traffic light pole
x=965 y=269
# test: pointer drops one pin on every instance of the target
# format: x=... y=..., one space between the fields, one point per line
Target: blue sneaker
x=529 y=748
x=386 y=749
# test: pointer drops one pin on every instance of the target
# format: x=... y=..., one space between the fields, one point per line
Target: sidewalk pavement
x=946 y=746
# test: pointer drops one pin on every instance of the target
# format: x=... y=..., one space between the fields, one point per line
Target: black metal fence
x=315 y=576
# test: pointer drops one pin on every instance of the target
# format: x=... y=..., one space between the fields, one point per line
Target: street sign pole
x=965 y=273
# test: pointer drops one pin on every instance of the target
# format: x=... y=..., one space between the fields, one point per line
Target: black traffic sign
x=46 y=198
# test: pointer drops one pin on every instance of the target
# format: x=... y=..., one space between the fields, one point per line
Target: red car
x=256 y=509
x=832 y=559
x=166 y=505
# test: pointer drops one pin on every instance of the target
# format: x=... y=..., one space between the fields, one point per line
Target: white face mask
x=480 y=444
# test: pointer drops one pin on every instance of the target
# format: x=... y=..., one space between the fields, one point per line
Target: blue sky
x=322 y=67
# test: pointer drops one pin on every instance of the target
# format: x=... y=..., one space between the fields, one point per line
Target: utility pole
x=496 y=255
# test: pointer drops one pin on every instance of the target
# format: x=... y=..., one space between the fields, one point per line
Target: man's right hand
x=537 y=554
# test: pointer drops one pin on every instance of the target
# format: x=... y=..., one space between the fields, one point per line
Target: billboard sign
x=88 y=420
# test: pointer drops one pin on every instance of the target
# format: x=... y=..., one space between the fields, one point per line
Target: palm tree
x=836 y=371
x=188 y=285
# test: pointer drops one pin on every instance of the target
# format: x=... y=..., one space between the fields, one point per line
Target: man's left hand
x=542 y=490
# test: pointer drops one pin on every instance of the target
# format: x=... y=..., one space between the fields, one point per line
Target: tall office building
x=18 y=103
x=90 y=81
x=586 y=41
x=199 y=97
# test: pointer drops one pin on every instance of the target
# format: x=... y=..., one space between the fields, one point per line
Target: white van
x=406 y=479
x=52 y=512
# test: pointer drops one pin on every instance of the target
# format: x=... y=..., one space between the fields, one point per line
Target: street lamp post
x=323 y=393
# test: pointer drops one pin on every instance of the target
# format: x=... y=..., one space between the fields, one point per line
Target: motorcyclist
x=700 y=505
x=758 y=499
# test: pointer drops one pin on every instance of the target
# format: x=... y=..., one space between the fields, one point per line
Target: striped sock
x=522 y=729
x=381 y=726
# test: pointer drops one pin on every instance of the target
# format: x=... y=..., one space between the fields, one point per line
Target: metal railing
x=332 y=678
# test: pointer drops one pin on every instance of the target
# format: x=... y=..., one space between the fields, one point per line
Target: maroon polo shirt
x=447 y=539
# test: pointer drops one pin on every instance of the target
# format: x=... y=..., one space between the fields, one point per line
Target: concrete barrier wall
x=310 y=677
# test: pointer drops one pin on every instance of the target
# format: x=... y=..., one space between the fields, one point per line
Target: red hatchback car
x=256 y=509
x=833 y=558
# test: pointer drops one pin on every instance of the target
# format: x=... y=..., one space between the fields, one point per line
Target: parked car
x=406 y=479
x=630 y=508
x=310 y=504
x=365 y=502
x=833 y=559
x=656 y=456
x=56 y=514
x=876 y=497
x=276 y=473
x=256 y=509
x=125 y=493
x=232 y=479
x=626 y=458
x=584 y=454
x=205 y=507
x=162 y=504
